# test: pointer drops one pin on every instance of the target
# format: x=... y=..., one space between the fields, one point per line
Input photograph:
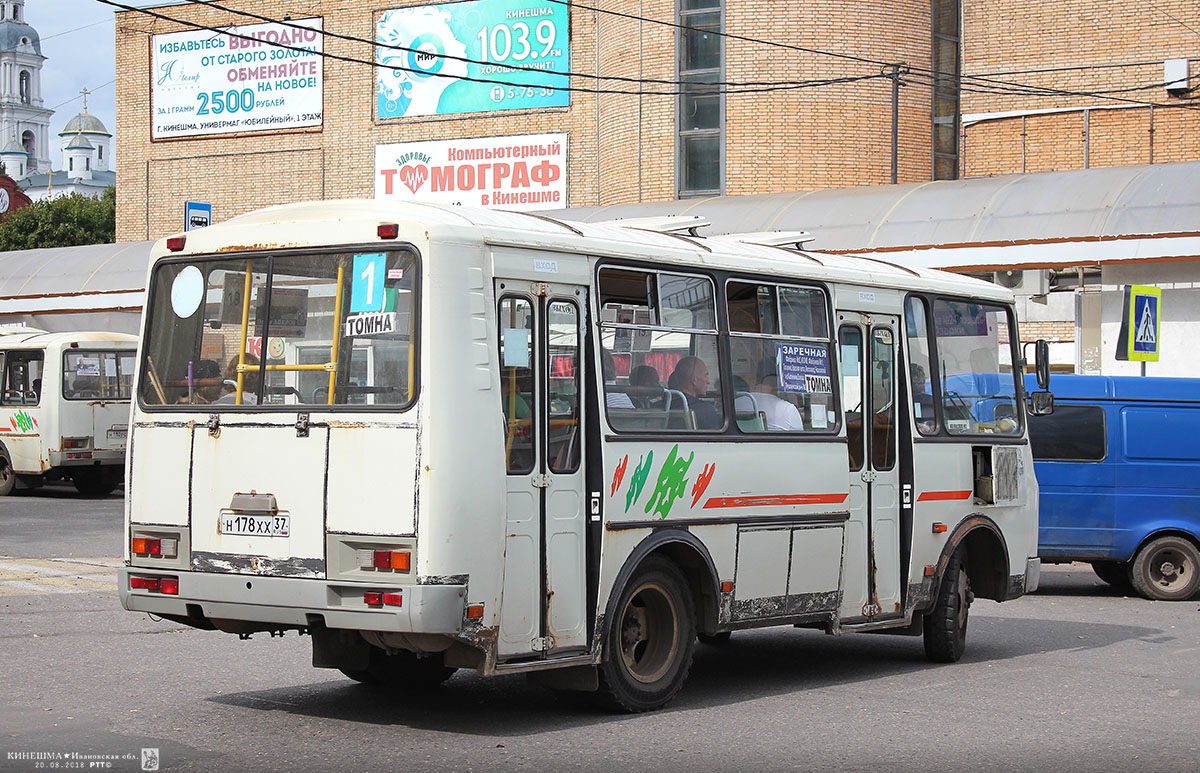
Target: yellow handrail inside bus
x=337 y=321
x=245 y=330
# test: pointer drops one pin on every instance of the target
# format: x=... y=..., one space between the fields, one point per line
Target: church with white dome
x=83 y=155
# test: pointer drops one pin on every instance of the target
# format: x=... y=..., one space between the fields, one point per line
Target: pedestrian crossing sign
x=1141 y=324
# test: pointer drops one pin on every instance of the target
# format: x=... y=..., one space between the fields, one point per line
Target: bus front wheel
x=8 y=478
x=1167 y=569
x=649 y=645
x=946 y=624
x=402 y=669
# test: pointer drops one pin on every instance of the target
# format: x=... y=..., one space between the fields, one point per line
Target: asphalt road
x=1073 y=678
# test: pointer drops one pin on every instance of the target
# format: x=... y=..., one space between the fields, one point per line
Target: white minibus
x=64 y=409
x=435 y=438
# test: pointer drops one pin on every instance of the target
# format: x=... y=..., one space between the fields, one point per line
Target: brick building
x=809 y=97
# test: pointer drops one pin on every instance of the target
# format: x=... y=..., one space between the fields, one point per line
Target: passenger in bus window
x=644 y=385
x=922 y=400
x=691 y=378
x=613 y=396
x=249 y=383
x=780 y=415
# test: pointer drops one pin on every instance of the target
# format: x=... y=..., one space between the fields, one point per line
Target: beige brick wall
x=621 y=147
x=1002 y=36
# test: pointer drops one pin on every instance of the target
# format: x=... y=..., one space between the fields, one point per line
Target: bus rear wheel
x=402 y=669
x=94 y=482
x=1115 y=573
x=649 y=645
x=945 y=625
x=1167 y=569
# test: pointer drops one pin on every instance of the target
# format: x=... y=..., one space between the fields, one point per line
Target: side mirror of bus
x=1041 y=403
x=1042 y=363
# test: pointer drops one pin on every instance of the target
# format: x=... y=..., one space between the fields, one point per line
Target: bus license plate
x=256 y=525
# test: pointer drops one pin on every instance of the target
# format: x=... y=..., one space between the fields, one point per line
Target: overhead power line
x=698 y=88
x=971 y=84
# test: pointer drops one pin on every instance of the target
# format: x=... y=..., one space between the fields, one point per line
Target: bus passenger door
x=540 y=339
x=873 y=571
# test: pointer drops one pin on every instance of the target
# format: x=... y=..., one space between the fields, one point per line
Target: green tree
x=62 y=221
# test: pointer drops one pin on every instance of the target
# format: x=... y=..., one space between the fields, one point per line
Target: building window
x=87 y=164
x=70 y=164
x=947 y=35
x=100 y=153
x=700 y=161
x=25 y=96
x=30 y=147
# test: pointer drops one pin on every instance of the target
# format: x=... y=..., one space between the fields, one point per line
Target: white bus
x=64 y=408
x=447 y=438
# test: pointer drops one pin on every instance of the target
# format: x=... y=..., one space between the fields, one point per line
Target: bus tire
x=8 y=478
x=402 y=669
x=1115 y=573
x=649 y=644
x=945 y=626
x=94 y=483
x=716 y=639
x=1167 y=569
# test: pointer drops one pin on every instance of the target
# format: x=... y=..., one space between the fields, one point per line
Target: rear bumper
x=97 y=458
x=299 y=602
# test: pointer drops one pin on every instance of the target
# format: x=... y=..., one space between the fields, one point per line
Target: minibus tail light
x=169 y=586
x=75 y=442
x=146 y=546
x=175 y=243
x=373 y=598
x=388 y=230
x=144 y=583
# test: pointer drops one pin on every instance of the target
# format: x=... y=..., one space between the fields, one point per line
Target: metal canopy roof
x=1056 y=206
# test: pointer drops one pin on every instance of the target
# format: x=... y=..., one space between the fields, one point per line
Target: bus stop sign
x=196 y=215
x=1141 y=324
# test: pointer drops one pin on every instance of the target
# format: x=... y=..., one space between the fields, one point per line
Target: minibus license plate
x=256 y=525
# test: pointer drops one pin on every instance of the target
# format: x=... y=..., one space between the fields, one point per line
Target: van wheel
x=403 y=669
x=1167 y=569
x=1115 y=573
x=8 y=478
x=649 y=645
x=945 y=625
x=94 y=483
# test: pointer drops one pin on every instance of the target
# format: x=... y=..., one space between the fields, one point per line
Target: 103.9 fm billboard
x=472 y=57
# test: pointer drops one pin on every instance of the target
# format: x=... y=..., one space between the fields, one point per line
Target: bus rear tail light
x=76 y=443
x=374 y=598
x=154 y=546
x=395 y=560
x=167 y=585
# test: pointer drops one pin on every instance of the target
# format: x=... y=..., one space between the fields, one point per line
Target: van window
x=1073 y=433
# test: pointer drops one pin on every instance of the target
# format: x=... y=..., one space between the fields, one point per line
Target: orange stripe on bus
x=943 y=496
x=776 y=500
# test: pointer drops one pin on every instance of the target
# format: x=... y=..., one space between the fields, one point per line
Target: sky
x=78 y=42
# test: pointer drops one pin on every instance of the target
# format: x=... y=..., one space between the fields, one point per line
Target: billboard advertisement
x=260 y=77
x=471 y=57
x=522 y=172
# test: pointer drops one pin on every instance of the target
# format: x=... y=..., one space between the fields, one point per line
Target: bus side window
x=850 y=357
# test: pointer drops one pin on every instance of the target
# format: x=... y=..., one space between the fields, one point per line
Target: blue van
x=1118 y=464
